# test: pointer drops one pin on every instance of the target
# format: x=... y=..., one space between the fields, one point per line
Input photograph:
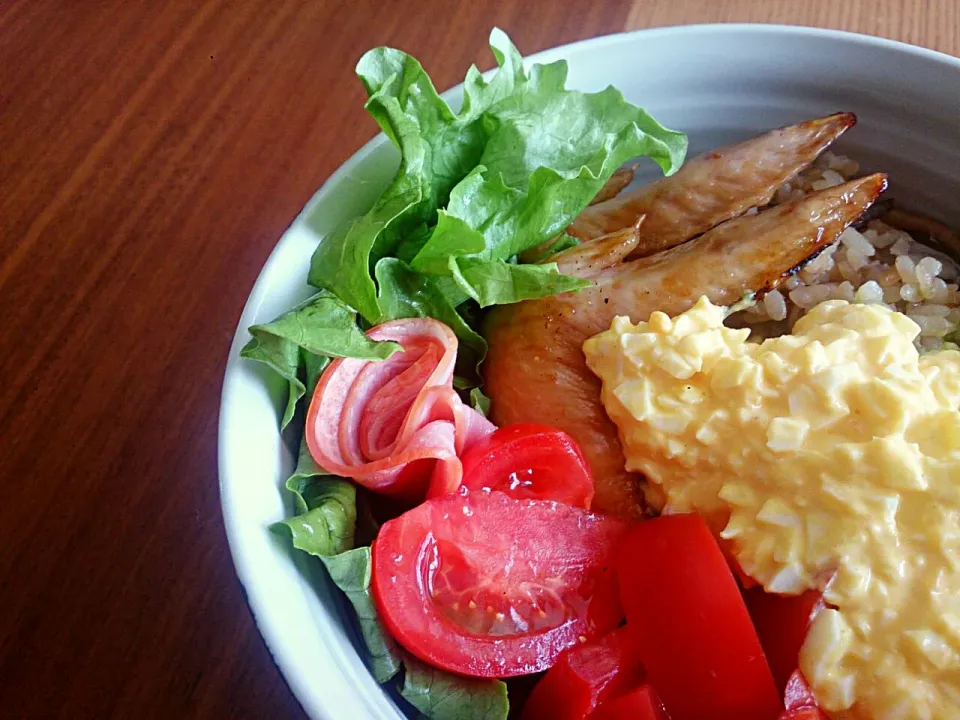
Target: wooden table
x=150 y=156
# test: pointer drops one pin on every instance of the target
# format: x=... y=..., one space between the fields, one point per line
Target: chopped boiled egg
x=828 y=458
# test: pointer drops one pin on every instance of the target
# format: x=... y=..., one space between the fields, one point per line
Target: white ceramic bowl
x=718 y=83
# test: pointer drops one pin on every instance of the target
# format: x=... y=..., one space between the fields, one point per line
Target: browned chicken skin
x=535 y=370
x=612 y=187
x=590 y=258
x=713 y=187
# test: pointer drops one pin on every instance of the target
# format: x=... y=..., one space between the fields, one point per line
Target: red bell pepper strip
x=583 y=677
x=693 y=631
x=639 y=704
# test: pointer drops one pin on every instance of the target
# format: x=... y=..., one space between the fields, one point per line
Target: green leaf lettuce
x=474 y=189
x=350 y=571
x=322 y=326
x=442 y=696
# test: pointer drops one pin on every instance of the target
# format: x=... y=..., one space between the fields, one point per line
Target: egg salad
x=828 y=458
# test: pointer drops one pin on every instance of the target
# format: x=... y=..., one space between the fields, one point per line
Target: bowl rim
x=246 y=572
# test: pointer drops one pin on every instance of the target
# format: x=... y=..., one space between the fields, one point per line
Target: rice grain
x=869 y=293
x=875 y=264
x=910 y=293
x=775 y=305
x=906 y=268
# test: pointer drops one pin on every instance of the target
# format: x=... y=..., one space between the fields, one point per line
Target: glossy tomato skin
x=782 y=622
x=532 y=462
x=482 y=584
x=694 y=634
x=584 y=676
x=639 y=704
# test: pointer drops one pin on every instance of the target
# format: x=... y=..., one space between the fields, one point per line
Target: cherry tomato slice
x=782 y=622
x=798 y=694
x=639 y=704
x=694 y=634
x=530 y=461
x=483 y=584
x=583 y=677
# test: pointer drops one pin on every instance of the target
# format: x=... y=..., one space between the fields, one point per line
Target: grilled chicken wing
x=592 y=257
x=617 y=182
x=713 y=187
x=535 y=369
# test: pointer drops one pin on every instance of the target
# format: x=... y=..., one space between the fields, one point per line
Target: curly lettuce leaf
x=305 y=470
x=326 y=505
x=480 y=402
x=323 y=327
x=408 y=294
x=283 y=357
x=350 y=571
x=313 y=366
x=327 y=526
x=549 y=126
x=341 y=263
x=474 y=189
x=438 y=148
x=442 y=696
x=497 y=282
x=306 y=467
x=551 y=152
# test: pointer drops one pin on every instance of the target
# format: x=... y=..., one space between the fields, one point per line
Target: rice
x=856 y=243
x=869 y=293
x=905 y=267
x=876 y=264
x=775 y=305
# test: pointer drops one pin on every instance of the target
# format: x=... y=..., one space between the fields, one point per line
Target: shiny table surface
x=151 y=153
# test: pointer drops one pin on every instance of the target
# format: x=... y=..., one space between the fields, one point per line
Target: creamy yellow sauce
x=829 y=457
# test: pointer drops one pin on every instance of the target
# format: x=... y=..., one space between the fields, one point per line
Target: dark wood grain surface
x=151 y=153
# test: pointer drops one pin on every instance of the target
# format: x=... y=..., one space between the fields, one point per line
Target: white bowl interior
x=719 y=84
